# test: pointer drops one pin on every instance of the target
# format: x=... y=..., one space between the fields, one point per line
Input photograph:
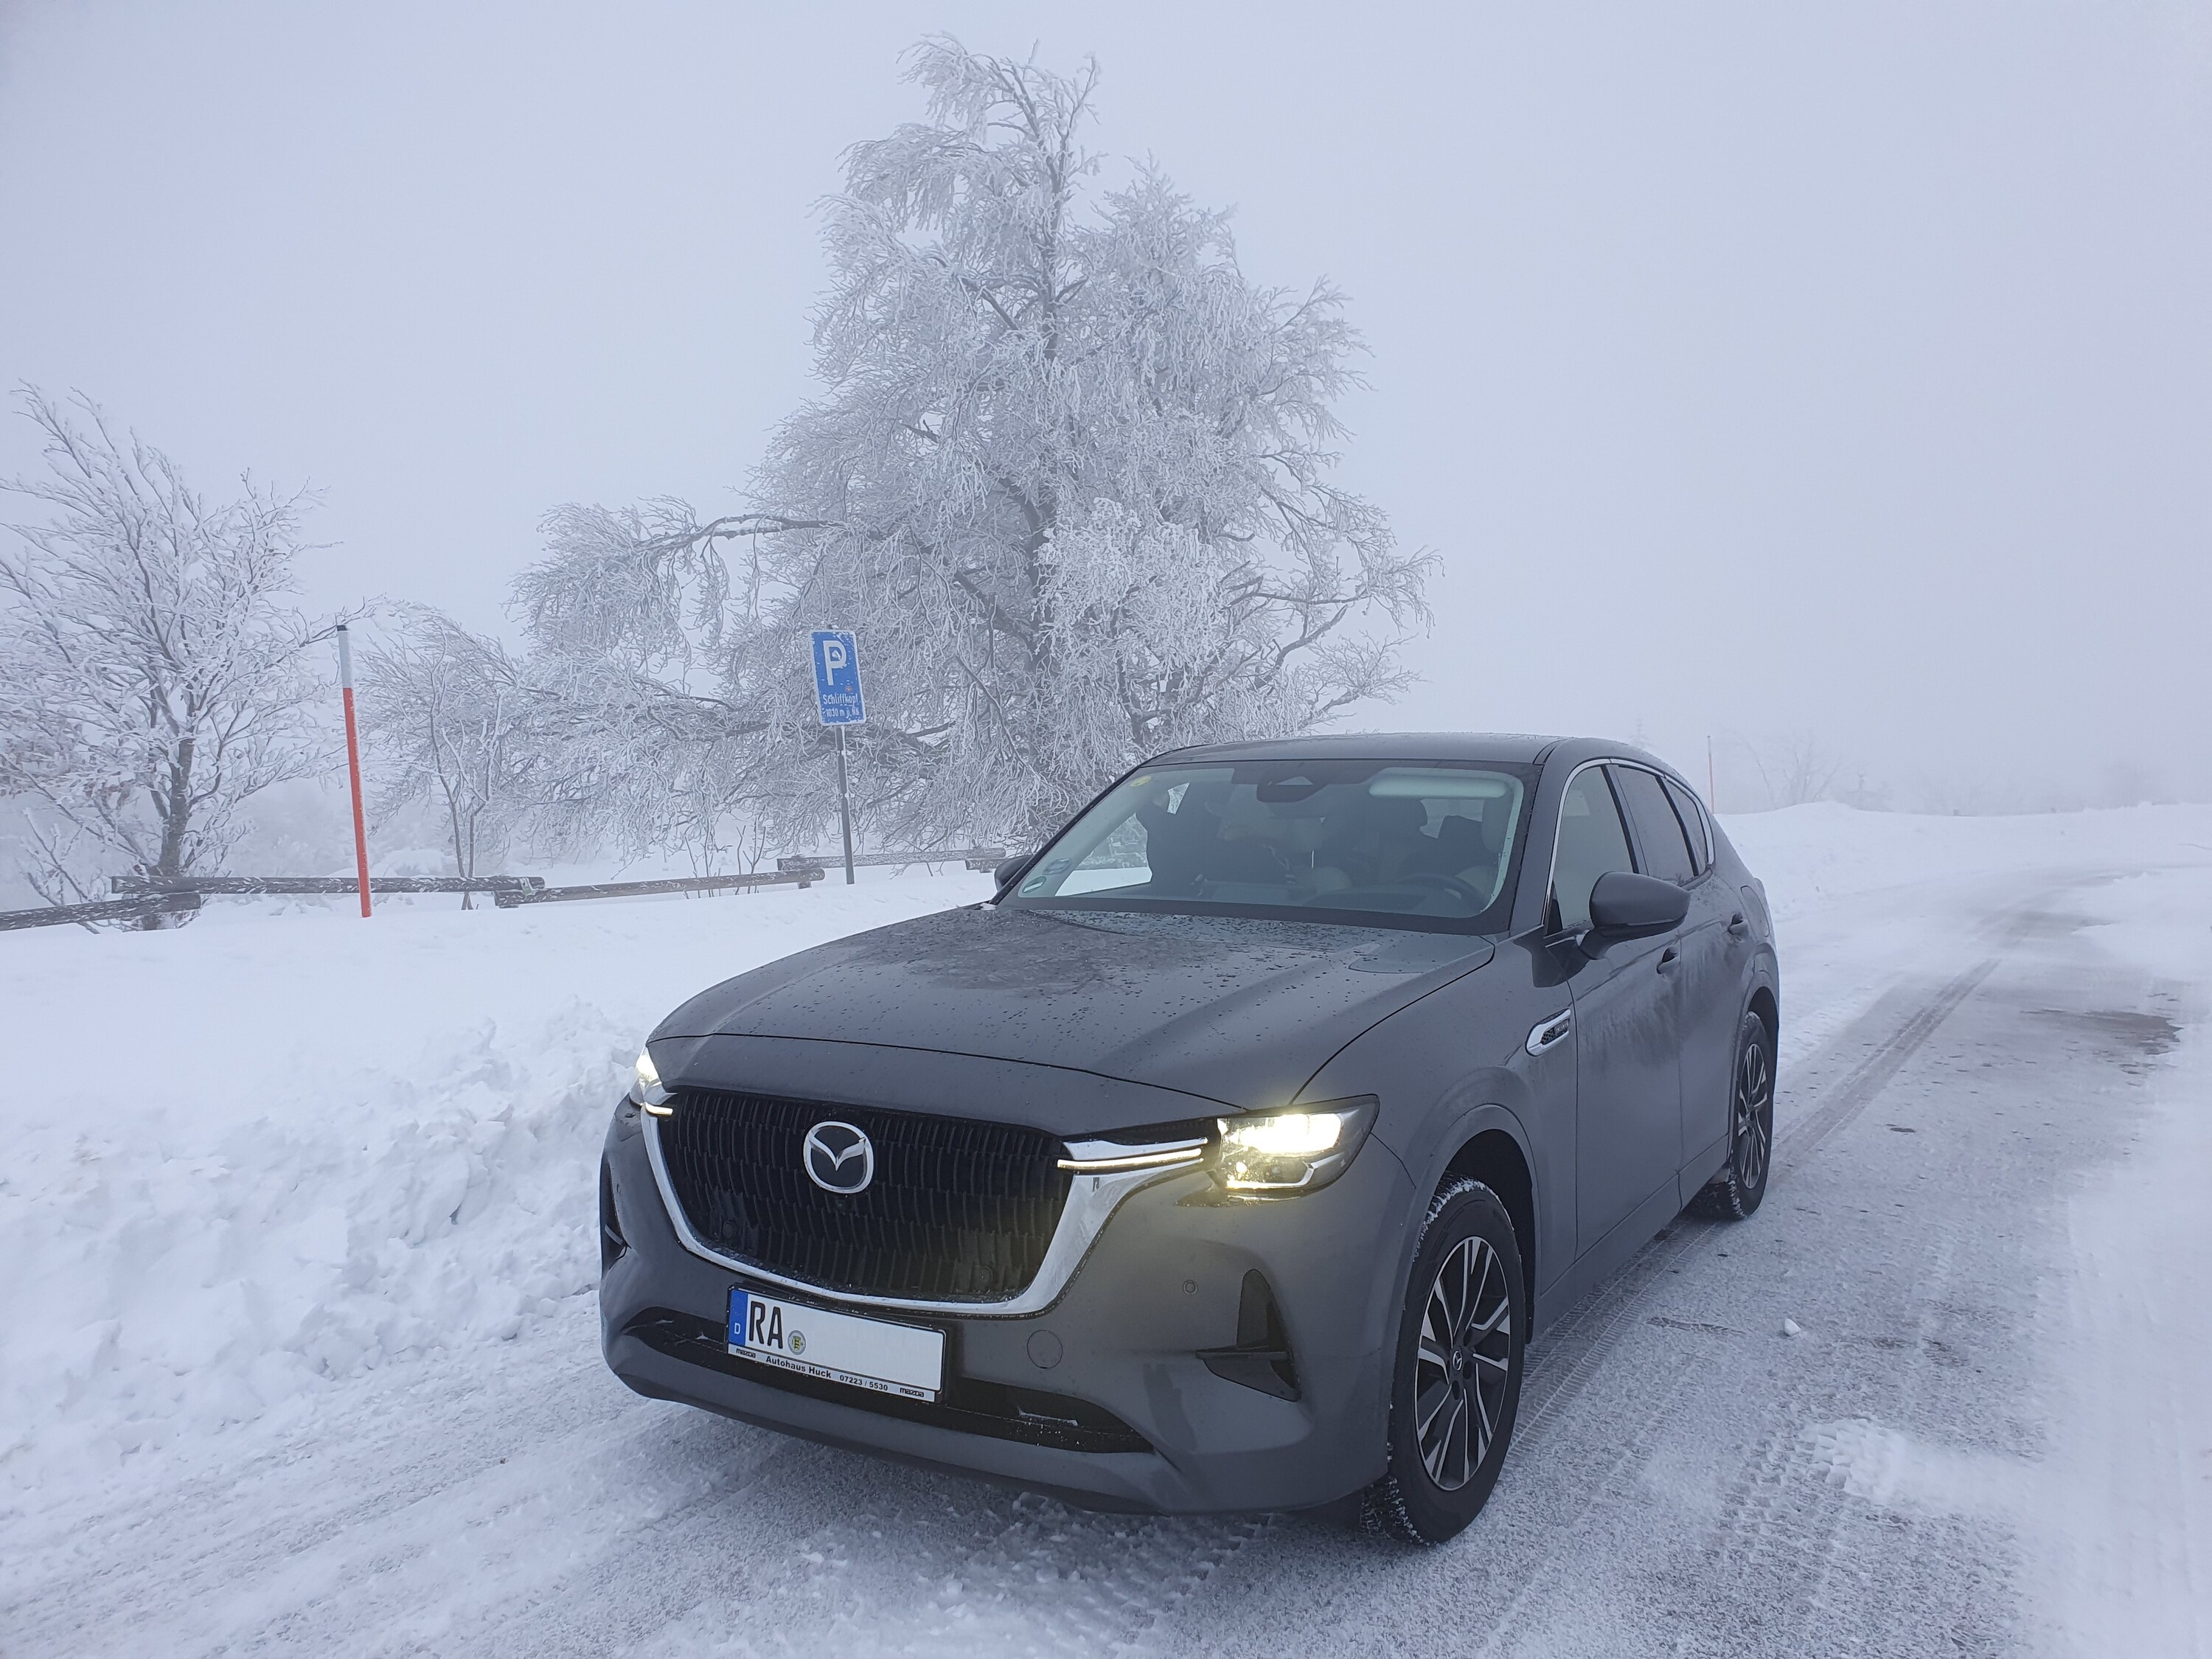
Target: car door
x=1695 y=960
x=1710 y=988
x=1628 y=1090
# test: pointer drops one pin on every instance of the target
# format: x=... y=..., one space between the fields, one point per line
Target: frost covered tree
x=1073 y=470
x=1070 y=479
x=446 y=712
x=151 y=675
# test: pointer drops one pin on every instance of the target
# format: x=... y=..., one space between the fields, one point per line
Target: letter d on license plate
x=866 y=1354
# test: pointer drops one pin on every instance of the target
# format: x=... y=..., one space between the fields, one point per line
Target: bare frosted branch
x=154 y=674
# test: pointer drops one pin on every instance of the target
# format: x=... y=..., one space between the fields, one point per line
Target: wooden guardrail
x=508 y=892
x=510 y=900
x=143 y=896
x=975 y=858
x=296 y=886
x=124 y=909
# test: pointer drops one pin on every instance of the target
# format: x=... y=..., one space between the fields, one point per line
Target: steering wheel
x=1476 y=899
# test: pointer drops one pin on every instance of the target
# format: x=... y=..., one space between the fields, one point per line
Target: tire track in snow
x=1585 y=1335
x=1021 y=1576
x=1874 y=1073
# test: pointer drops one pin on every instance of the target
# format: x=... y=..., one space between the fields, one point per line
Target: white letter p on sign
x=833 y=656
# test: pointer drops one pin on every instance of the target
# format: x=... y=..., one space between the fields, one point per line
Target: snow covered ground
x=297 y=1346
x=251 y=1158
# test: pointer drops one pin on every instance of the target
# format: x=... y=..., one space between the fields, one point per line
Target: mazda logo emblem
x=839 y=1158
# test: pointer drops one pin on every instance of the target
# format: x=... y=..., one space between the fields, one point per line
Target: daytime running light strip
x=1094 y=1158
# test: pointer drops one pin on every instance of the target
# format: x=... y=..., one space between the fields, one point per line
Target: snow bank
x=248 y=1160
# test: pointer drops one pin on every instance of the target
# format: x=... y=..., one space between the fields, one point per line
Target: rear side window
x=1658 y=831
x=1693 y=825
x=1591 y=843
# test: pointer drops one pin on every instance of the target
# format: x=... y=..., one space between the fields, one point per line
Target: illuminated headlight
x=645 y=1087
x=1292 y=1152
x=1267 y=1155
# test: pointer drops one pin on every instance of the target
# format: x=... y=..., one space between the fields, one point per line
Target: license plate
x=867 y=1354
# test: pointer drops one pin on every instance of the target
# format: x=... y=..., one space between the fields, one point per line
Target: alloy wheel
x=1754 y=1114
x=1463 y=1362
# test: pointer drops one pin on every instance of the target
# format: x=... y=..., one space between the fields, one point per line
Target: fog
x=1829 y=377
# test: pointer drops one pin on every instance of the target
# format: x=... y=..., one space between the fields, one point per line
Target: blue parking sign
x=837 y=679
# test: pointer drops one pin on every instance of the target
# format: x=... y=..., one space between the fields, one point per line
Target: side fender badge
x=1548 y=1033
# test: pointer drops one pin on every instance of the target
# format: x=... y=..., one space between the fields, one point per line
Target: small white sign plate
x=866 y=1354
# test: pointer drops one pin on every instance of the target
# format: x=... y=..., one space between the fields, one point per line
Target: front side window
x=1592 y=843
x=1361 y=841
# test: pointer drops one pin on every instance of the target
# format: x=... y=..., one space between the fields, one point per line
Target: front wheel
x=1735 y=1192
x=1457 y=1381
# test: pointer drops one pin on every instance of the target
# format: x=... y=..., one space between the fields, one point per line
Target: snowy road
x=1870 y=1419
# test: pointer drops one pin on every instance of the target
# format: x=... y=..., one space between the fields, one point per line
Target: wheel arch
x=1495 y=1158
x=1768 y=1007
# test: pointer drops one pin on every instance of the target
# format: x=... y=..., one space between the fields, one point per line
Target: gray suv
x=1228 y=1156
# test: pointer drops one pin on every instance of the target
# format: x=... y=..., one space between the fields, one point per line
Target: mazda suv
x=1229 y=1155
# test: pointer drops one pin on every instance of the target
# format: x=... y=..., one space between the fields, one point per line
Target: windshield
x=1369 y=842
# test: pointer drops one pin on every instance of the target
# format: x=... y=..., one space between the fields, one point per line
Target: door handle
x=1547 y=1033
x=1667 y=957
x=1737 y=926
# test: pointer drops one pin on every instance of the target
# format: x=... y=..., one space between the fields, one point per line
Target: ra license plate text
x=865 y=1353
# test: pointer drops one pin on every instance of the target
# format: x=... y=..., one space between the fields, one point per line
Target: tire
x=1467 y=1288
x=1735 y=1192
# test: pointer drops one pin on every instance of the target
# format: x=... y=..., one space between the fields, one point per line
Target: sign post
x=353 y=763
x=837 y=693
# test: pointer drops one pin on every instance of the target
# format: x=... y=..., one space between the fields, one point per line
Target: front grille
x=958 y=1210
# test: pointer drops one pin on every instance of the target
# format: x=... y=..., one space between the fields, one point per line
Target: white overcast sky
x=1837 y=368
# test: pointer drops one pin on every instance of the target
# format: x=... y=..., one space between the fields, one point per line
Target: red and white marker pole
x=353 y=764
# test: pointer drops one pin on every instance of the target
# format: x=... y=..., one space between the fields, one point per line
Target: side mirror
x=1623 y=906
x=1003 y=877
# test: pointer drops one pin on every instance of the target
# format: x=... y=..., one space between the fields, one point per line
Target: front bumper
x=1111 y=1405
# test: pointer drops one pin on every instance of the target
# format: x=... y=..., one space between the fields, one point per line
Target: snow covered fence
x=296 y=886
x=125 y=909
x=985 y=859
x=140 y=895
x=508 y=892
x=544 y=894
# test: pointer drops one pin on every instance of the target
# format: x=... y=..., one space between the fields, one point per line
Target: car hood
x=1238 y=1010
